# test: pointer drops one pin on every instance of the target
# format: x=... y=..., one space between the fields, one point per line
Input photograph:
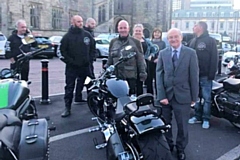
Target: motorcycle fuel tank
x=13 y=93
x=118 y=88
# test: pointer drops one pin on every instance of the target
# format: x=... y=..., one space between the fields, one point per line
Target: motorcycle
x=14 y=92
x=22 y=135
x=131 y=129
x=226 y=100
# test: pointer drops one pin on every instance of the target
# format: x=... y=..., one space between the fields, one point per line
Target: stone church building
x=52 y=17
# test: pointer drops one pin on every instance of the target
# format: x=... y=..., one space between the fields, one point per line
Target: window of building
x=212 y=25
x=101 y=14
x=57 y=17
x=231 y=14
x=176 y=25
x=110 y=9
x=35 y=16
x=120 y=5
x=187 y=25
x=71 y=14
x=204 y=14
x=195 y=14
x=213 y=14
x=221 y=25
x=147 y=6
x=230 y=24
x=176 y=14
x=222 y=14
x=187 y=14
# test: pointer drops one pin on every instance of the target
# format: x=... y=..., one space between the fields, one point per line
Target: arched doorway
x=116 y=26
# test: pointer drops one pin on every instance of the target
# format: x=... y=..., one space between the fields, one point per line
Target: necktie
x=175 y=58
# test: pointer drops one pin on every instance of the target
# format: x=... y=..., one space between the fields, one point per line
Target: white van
x=3 y=41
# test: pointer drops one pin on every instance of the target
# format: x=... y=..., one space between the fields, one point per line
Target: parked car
x=108 y=36
x=226 y=47
x=3 y=41
x=44 y=42
x=102 y=47
x=55 y=40
x=228 y=56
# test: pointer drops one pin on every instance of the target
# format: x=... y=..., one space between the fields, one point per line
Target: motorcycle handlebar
x=25 y=56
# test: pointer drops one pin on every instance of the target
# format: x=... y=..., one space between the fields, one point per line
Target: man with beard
x=89 y=27
x=130 y=69
x=77 y=47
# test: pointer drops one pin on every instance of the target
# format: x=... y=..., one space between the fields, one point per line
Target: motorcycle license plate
x=43 y=46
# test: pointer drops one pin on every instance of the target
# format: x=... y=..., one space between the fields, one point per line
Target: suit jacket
x=183 y=81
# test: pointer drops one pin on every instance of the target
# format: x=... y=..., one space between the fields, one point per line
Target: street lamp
x=170 y=18
x=218 y=17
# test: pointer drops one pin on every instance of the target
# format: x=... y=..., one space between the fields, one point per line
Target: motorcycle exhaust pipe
x=114 y=146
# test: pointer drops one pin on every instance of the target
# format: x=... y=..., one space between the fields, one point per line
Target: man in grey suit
x=177 y=87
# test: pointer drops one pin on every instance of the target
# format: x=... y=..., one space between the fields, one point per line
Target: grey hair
x=175 y=29
x=20 y=21
x=138 y=25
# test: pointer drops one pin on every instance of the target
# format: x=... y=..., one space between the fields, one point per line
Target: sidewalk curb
x=233 y=154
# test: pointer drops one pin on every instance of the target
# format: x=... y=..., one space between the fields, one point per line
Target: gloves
x=143 y=76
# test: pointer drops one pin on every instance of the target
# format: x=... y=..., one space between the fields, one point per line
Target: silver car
x=102 y=47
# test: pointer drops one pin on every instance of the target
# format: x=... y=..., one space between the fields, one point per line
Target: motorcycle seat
x=121 y=102
x=232 y=84
x=216 y=85
x=10 y=127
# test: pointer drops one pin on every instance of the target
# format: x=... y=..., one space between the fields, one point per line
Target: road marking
x=70 y=134
x=233 y=154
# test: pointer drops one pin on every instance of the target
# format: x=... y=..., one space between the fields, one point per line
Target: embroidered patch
x=201 y=46
x=86 y=40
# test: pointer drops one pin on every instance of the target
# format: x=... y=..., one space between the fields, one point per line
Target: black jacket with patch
x=77 y=48
x=207 y=53
x=13 y=44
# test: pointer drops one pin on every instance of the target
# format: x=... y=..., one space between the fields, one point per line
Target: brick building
x=52 y=17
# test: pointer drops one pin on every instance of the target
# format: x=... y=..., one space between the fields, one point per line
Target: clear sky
x=236 y=4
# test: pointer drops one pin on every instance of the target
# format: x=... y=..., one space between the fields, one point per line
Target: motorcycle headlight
x=87 y=80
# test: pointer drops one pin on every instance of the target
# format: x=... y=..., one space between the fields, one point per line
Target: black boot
x=67 y=112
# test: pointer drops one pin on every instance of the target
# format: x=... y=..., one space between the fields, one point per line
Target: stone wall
x=134 y=12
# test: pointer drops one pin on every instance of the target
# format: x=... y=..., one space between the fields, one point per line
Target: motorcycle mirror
x=87 y=80
x=28 y=39
x=6 y=73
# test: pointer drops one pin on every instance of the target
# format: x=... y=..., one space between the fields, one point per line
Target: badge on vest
x=86 y=40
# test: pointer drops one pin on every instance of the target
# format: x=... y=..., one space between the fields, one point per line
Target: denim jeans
x=203 y=107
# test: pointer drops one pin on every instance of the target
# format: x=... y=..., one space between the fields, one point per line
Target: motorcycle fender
x=146 y=123
x=114 y=146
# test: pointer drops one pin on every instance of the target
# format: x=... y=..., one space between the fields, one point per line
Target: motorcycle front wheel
x=154 y=146
x=93 y=105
